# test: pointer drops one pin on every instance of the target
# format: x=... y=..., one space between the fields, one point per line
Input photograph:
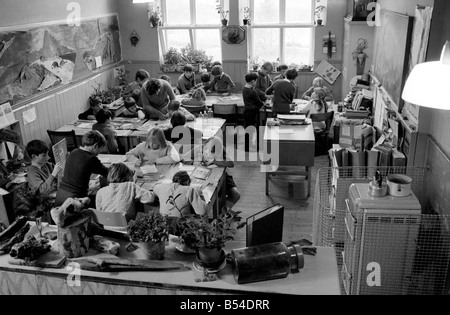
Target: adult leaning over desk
x=155 y=97
x=80 y=165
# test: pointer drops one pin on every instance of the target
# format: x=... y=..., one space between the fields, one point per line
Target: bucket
x=399 y=185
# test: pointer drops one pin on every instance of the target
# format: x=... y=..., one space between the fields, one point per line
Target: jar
x=266 y=262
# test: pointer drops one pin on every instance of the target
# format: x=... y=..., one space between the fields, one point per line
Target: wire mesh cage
x=382 y=251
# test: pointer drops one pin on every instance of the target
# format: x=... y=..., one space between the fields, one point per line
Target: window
x=282 y=29
x=193 y=22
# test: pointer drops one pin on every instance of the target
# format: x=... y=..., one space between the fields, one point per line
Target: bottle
x=210 y=113
x=266 y=262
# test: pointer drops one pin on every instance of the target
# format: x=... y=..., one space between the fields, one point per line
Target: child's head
x=205 y=77
x=173 y=107
x=166 y=78
x=37 y=150
x=217 y=71
x=282 y=68
x=120 y=173
x=136 y=94
x=156 y=139
x=317 y=82
x=251 y=78
x=318 y=98
x=267 y=68
x=96 y=104
x=291 y=74
x=103 y=116
x=153 y=86
x=182 y=178
x=130 y=104
x=141 y=76
x=178 y=119
x=198 y=94
x=188 y=70
x=94 y=140
x=216 y=63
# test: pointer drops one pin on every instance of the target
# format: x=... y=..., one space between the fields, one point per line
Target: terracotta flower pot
x=151 y=250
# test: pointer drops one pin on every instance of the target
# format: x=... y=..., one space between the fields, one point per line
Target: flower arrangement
x=222 y=12
x=246 y=13
x=152 y=226
x=154 y=15
x=199 y=232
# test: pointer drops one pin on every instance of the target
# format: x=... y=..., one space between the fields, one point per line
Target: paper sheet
x=8 y=112
x=286 y=131
x=29 y=116
x=85 y=125
x=149 y=169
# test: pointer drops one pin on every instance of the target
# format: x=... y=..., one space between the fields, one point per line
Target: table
x=294 y=146
x=318 y=277
x=234 y=98
x=266 y=111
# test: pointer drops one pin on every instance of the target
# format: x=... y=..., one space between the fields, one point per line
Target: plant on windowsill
x=246 y=18
x=318 y=14
x=196 y=57
x=223 y=14
x=154 y=16
x=172 y=60
x=254 y=63
x=108 y=97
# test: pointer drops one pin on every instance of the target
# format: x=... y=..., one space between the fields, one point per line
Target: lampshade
x=428 y=83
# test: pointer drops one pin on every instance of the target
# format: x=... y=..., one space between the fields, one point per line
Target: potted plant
x=32 y=203
x=208 y=237
x=150 y=232
x=172 y=58
x=154 y=16
x=246 y=19
x=223 y=14
x=318 y=13
x=254 y=63
x=195 y=57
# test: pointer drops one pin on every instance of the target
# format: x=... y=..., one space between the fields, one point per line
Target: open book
x=201 y=172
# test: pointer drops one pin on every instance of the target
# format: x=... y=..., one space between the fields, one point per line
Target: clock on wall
x=233 y=34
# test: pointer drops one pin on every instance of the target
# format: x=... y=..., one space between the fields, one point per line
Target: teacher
x=156 y=95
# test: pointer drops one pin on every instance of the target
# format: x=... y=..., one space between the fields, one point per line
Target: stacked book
x=291 y=119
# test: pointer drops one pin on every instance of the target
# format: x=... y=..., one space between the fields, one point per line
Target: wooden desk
x=266 y=112
x=318 y=277
x=296 y=146
x=235 y=98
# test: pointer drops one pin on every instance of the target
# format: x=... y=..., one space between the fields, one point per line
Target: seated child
x=103 y=125
x=80 y=165
x=317 y=105
x=178 y=198
x=282 y=68
x=174 y=106
x=167 y=78
x=206 y=81
x=155 y=150
x=186 y=81
x=42 y=175
x=122 y=193
x=215 y=153
x=139 y=79
x=95 y=104
x=132 y=110
x=179 y=130
x=222 y=82
x=318 y=83
x=198 y=98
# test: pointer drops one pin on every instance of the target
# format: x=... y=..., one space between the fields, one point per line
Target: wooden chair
x=227 y=112
x=195 y=109
x=70 y=136
x=323 y=140
x=115 y=221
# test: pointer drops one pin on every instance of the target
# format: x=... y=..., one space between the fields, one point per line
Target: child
x=214 y=153
x=316 y=105
x=42 y=175
x=186 y=81
x=121 y=193
x=284 y=91
x=198 y=98
x=155 y=150
x=104 y=126
x=318 y=83
x=174 y=106
x=264 y=82
x=80 y=165
x=140 y=78
x=179 y=130
x=252 y=105
x=169 y=80
x=206 y=81
x=95 y=105
x=132 y=110
x=282 y=68
x=222 y=82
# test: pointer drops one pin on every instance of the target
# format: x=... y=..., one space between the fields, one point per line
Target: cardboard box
x=359 y=137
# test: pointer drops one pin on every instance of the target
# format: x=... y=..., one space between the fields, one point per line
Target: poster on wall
x=38 y=57
x=327 y=71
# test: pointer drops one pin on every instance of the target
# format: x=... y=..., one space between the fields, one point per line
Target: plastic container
x=266 y=262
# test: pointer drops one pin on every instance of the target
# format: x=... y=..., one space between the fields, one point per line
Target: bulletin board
x=38 y=57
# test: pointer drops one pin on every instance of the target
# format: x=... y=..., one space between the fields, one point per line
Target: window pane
x=209 y=41
x=266 y=11
x=298 y=11
x=178 y=12
x=206 y=12
x=298 y=46
x=266 y=44
x=177 y=38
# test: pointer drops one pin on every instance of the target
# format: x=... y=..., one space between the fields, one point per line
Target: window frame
x=281 y=26
x=191 y=28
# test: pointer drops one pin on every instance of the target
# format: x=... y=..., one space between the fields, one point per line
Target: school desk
x=296 y=148
x=266 y=111
x=234 y=98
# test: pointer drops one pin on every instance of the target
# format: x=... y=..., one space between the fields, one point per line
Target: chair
x=194 y=109
x=227 y=112
x=323 y=140
x=70 y=136
x=115 y=221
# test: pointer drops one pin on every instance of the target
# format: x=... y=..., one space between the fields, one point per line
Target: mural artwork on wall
x=37 y=58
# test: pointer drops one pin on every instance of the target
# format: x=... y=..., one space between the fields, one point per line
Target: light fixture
x=428 y=83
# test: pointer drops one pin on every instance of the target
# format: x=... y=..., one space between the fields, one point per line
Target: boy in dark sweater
x=222 y=83
x=95 y=105
x=80 y=165
x=263 y=82
x=283 y=93
x=252 y=104
x=104 y=126
x=186 y=81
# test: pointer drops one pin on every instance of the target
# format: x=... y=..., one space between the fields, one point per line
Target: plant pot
x=154 y=23
x=245 y=22
x=319 y=22
x=210 y=257
x=224 y=22
x=150 y=250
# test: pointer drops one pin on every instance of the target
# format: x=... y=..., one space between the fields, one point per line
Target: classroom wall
x=60 y=107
